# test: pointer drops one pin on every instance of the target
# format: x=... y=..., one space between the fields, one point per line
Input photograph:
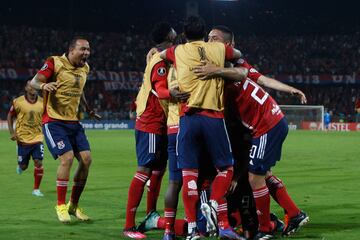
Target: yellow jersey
x=28 y=119
x=207 y=94
x=63 y=104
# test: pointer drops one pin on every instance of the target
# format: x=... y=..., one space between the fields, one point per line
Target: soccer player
x=62 y=79
x=261 y=114
x=327 y=120
x=27 y=110
x=150 y=130
x=201 y=121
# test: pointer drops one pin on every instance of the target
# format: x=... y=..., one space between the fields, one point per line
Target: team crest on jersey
x=241 y=61
x=44 y=67
x=161 y=71
x=61 y=144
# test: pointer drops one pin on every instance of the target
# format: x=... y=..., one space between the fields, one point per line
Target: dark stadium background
x=279 y=37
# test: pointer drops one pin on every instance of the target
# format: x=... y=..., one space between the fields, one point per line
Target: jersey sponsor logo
x=44 y=67
x=61 y=145
x=161 y=71
x=192 y=185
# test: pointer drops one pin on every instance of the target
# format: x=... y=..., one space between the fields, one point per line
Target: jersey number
x=254 y=92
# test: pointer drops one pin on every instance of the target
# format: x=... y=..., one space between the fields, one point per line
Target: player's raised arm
x=279 y=86
x=41 y=79
x=10 y=120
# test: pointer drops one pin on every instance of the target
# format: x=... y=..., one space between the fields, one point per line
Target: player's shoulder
x=19 y=98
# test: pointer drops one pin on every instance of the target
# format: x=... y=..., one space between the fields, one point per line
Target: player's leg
x=157 y=173
x=218 y=146
x=188 y=155
x=23 y=158
x=146 y=149
x=38 y=155
x=81 y=148
x=174 y=187
x=56 y=137
x=264 y=154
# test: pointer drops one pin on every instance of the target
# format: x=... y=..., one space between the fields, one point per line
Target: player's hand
x=14 y=137
x=50 y=87
x=233 y=186
x=300 y=95
x=179 y=96
x=206 y=71
x=150 y=54
x=94 y=115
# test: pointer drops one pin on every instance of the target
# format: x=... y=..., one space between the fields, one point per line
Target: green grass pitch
x=321 y=171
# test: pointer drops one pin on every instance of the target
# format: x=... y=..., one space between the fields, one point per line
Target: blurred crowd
x=28 y=47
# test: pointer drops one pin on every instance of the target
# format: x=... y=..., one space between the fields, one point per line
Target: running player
x=201 y=120
x=261 y=114
x=27 y=110
x=62 y=78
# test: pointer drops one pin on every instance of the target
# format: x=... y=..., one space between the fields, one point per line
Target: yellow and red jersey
x=28 y=119
x=204 y=95
x=152 y=99
x=63 y=104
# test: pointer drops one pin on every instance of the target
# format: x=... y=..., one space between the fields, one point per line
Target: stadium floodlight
x=310 y=117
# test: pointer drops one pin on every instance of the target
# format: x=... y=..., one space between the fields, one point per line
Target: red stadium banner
x=335 y=126
x=133 y=76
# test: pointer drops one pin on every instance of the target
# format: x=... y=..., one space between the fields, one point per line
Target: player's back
x=203 y=94
x=256 y=108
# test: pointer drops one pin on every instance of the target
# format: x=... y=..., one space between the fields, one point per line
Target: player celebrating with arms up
x=27 y=110
x=63 y=78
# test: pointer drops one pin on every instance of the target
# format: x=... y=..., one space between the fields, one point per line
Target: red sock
x=279 y=193
x=222 y=212
x=262 y=201
x=136 y=190
x=236 y=215
x=77 y=189
x=180 y=227
x=170 y=214
x=190 y=193
x=38 y=174
x=154 y=190
x=61 y=188
x=161 y=223
x=221 y=184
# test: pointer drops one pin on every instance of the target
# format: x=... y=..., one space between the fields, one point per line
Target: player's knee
x=87 y=160
x=256 y=181
x=38 y=163
x=66 y=161
x=23 y=166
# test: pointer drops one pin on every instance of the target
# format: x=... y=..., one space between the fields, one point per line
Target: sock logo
x=192 y=185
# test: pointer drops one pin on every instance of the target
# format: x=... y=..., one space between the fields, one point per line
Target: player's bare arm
x=210 y=71
x=10 y=121
x=90 y=111
x=150 y=54
x=39 y=82
x=279 y=86
x=178 y=96
x=163 y=55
